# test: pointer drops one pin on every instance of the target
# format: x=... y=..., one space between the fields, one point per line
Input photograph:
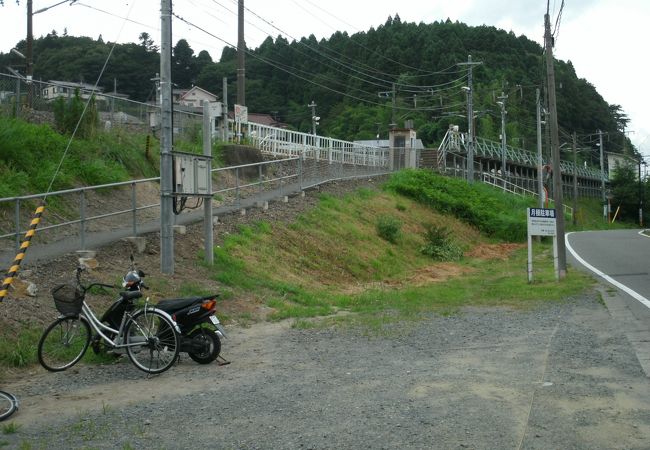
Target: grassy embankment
x=340 y=257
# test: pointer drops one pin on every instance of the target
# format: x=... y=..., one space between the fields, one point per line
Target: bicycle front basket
x=68 y=299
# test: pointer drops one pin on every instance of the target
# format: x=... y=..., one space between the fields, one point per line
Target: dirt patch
x=493 y=251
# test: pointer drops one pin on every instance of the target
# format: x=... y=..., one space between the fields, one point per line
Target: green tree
x=626 y=191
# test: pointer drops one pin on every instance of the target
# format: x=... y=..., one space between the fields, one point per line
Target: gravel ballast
x=562 y=375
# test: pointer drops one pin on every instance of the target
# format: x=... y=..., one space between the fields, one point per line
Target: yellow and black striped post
x=13 y=270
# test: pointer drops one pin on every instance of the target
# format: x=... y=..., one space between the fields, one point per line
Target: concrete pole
x=575 y=179
x=225 y=109
x=241 y=56
x=393 y=117
x=29 y=70
x=602 y=166
x=470 y=125
x=502 y=102
x=166 y=180
x=207 y=201
x=313 y=105
x=540 y=161
x=555 y=148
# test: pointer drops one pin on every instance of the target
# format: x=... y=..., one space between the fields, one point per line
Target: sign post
x=541 y=222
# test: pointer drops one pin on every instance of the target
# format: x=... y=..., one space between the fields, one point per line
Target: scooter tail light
x=174 y=317
x=209 y=305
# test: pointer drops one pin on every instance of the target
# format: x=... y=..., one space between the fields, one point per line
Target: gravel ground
x=559 y=376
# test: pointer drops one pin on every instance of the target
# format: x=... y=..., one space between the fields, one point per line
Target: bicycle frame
x=98 y=326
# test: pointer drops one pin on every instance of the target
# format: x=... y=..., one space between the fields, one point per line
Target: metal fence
x=35 y=102
x=132 y=208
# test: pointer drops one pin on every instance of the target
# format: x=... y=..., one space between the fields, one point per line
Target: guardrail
x=513 y=188
x=233 y=183
x=456 y=142
x=281 y=142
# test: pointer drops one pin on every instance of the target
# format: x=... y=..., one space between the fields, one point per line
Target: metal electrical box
x=192 y=176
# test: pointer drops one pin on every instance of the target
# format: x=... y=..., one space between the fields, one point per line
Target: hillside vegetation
x=377 y=252
x=30 y=156
x=344 y=74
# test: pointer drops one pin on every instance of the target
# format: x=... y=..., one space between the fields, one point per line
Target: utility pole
x=555 y=147
x=540 y=161
x=166 y=180
x=29 y=70
x=224 y=117
x=502 y=103
x=392 y=119
x=575 y=179
x=640 y=193
x=241 y=57
x=386 y=94
x=470 y=117
x=314 y=119
x=602 y=167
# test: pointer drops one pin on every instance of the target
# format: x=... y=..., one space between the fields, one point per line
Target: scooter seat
x=175 y=304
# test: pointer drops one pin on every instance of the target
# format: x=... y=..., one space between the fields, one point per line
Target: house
x=261 y=119
x=66 y=89
x=194 y=97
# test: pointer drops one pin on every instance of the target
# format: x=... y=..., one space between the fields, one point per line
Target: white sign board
x=541 y=222
x=241 y=113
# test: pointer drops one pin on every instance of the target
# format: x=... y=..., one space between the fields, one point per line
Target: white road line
x=644 y=301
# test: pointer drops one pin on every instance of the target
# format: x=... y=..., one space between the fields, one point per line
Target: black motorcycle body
x=201 y=331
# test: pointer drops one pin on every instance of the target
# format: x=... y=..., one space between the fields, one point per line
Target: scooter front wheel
x=208 y=341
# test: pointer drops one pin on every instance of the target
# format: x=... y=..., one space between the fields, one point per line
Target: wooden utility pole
x=555 y=146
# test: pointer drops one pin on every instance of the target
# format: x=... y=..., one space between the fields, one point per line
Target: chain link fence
x=35 y=103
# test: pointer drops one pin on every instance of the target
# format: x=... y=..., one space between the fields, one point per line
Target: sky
x=604 y=39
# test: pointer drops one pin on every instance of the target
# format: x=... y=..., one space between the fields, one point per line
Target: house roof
x=195 y=89
x=70 y=84
x=262 y=119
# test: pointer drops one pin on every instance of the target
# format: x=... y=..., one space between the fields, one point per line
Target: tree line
x=351 y=79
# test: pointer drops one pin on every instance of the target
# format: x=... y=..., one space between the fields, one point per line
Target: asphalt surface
x=621 y=259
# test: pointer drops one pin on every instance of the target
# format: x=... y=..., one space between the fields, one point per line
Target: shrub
x=439 y=246
x=388 y=228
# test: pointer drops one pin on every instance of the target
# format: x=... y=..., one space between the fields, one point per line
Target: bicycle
x=8 y=405
x=149 y=335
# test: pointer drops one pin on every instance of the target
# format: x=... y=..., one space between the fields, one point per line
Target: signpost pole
x=530 y=258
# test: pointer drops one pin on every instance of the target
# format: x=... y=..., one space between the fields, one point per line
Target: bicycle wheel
x=64 y=343
x=153 y=343
x=8 y=405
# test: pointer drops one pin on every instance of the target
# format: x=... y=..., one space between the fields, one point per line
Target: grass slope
x=334 y=256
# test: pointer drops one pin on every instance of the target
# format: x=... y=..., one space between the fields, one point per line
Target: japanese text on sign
x=541 y=222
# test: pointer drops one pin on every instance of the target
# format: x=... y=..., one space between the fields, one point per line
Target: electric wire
x=278 y=66
x=350 y=67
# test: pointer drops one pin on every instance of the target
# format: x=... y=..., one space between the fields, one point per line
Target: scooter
x=201 y=331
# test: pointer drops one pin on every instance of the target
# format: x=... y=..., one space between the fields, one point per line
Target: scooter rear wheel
x=210 y=342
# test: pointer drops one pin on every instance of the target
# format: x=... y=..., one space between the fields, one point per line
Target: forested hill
x=344 y=75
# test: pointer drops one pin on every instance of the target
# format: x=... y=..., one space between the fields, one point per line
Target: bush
x=388 y=228
x=439 y=245
x=498 y=215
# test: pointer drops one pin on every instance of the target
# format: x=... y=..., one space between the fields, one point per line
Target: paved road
x=622 y=259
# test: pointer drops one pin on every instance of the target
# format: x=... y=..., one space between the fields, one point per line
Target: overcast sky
x=606 y=40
